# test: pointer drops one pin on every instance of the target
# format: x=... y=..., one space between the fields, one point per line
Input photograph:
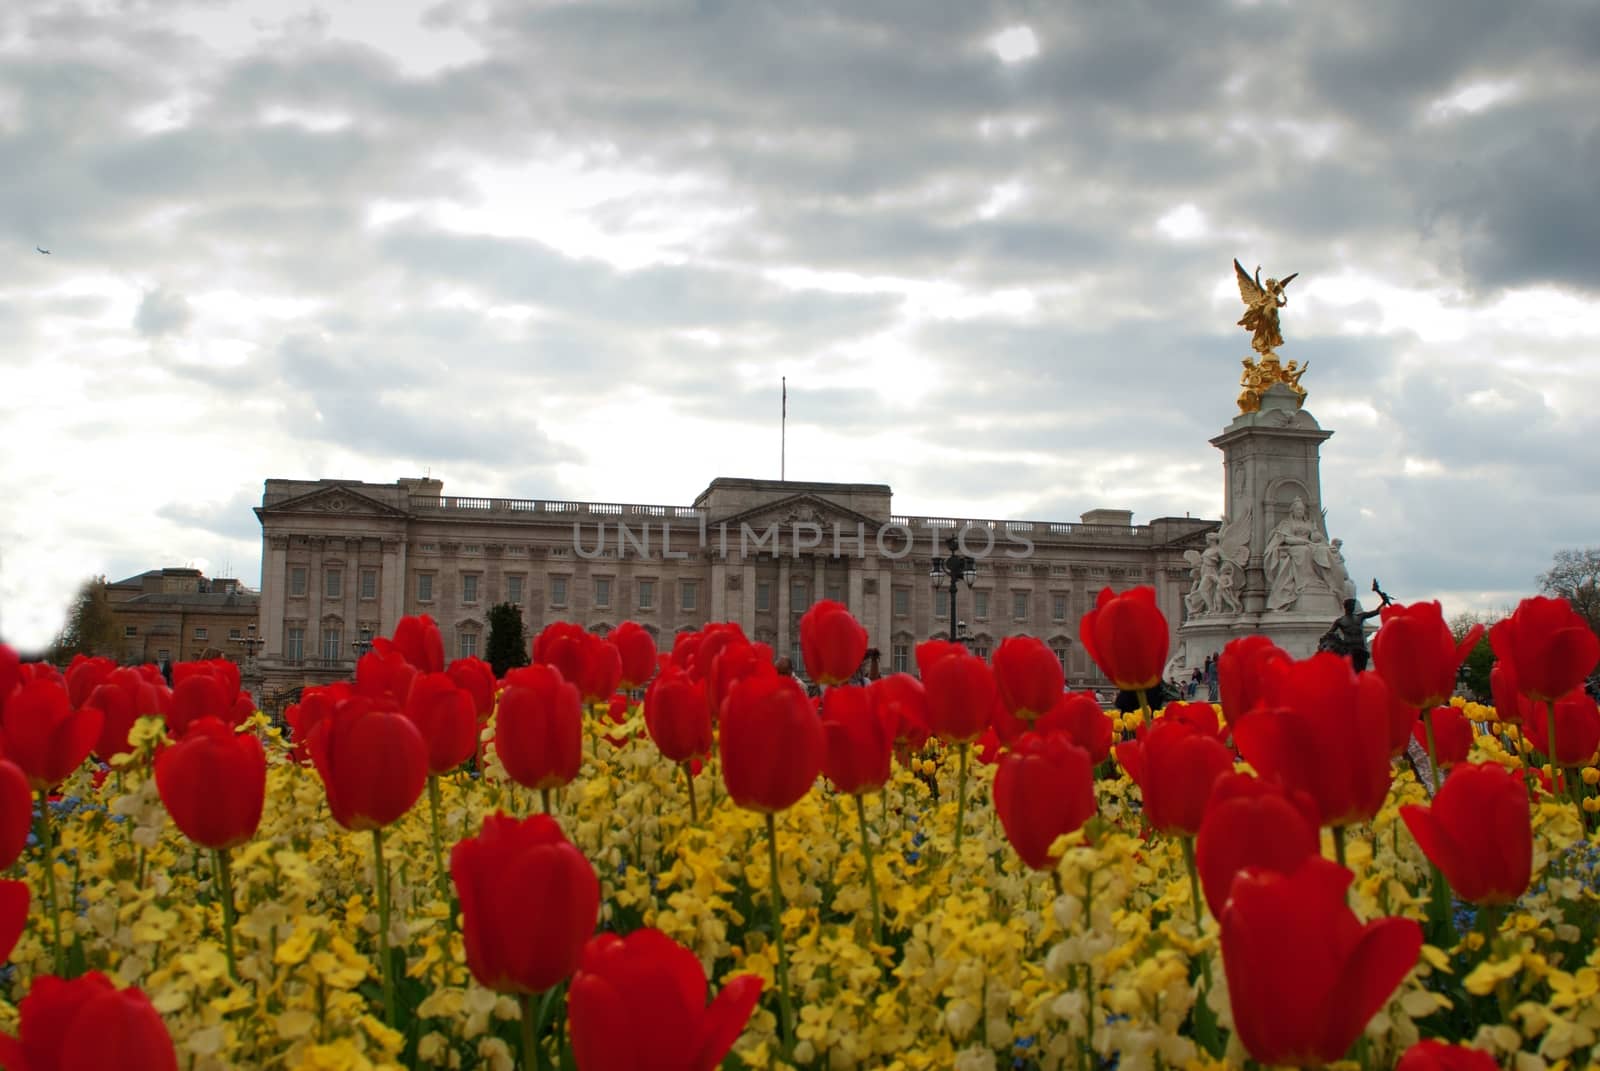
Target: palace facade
x=343 y=561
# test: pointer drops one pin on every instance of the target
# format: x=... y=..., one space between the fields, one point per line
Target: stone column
x=783 y=607
x=853 y=598
x=314 y=581
x=274 y=590
x=719 y=592
x=747 y=615
x=391 y=586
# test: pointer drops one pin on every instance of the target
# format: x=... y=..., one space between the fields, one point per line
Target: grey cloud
x=230 y=519
x=161 y=312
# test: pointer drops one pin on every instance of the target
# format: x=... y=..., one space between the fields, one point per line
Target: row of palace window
x=1021 y=604
x=514 y=586
x=131 y=631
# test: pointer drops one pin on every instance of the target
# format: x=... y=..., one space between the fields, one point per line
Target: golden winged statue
x=1262 y=302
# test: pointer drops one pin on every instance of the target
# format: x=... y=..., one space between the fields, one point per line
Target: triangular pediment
x=804 y=508
x=346 y=501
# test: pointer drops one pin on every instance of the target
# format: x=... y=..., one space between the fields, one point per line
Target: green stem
x=383 y=926
x=530 y=1047
x=1194 y=880
x=544 y=799
x=961 y=798
x=225 y=883
x=872 y=879
x=1055 y=879
x=48 y=843
x=688 y=779
x=1433 y=755
x=441 y=874
x=1338 y=844
x=785 y=1010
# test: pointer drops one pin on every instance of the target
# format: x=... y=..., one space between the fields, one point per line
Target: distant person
x=1211 y=678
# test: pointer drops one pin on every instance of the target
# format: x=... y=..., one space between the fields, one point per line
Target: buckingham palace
x=343 y=560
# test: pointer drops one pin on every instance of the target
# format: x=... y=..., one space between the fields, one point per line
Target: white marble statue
x=1297 y=559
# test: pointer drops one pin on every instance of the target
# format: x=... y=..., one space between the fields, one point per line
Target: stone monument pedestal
x=1271 y=570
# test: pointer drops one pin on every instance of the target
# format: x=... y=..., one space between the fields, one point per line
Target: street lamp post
x=251 y=644
x=951 y=572
x=362 y=644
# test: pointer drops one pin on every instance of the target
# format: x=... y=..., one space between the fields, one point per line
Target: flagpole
x=783 y=434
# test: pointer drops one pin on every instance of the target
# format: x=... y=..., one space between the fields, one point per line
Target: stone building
x=342 y=561
x=179 y=615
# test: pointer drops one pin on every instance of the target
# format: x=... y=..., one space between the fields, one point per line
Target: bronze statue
x=1348 y=635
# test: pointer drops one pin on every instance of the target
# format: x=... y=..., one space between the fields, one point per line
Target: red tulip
x=930 y=651
x=561 y=644
x=213 y=783
x=1043 y=789
x=539 y=728
x=735 y=659
x=1402 y=719
x=637 y=649
x=1438 y=1056
x=418 y=640
x=125 y=696
x=1251 y=823
x=372 y=761
x=1416 y=655
x=1477 y=831
x=1326 y=734
x=316 y=703
x=10 y=674
x=198 y=696
x=1174 y=767
x=832 y=642
x=1246 y=672
x=16 y=812
x=529 y=901
x=1127 y=637
x=446 y=718
x=1577 y=729
x=712 y=640
x=599 y=669
x=638 y=1003
x=676 y=716
x=13 y=915
x=1551 y=649
x=85 y=674
x=87 y=1024
x=858 y=740
x=771 y=743
x=901 y=698
x=1028 y=676
x=1511 y=707
x=477 y=677
x=960 y=690
x=222 y=670
x=1304 y=975
x=1201 y=717
x=44 y=736
x=1452 y=735
x=385 y=673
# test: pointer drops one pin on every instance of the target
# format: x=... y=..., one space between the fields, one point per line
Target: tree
x=90 y=627
x=1475 y=670
x=508 y=641
x=1575 y=576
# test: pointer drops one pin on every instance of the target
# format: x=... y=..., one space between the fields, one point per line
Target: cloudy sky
x=569 y=249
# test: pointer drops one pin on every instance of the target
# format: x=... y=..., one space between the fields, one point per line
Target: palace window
x=900 y=658
x=902 y=602
x=1019 y=605
x=469 y=587
x=297 y=580
x=688 y=595
x=333 y=583
x=602 y=591
x=646 y=590
x=1058 y=607
x=558 y=591
x=514 y=590
x=369 y=583
x=201 y=633
x=330 y=643
x=763 y=596
x=424 y=587
x=294 y=644
x=469 y=644
x=980 y=604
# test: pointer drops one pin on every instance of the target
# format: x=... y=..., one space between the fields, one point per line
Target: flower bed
x=1114 y=951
